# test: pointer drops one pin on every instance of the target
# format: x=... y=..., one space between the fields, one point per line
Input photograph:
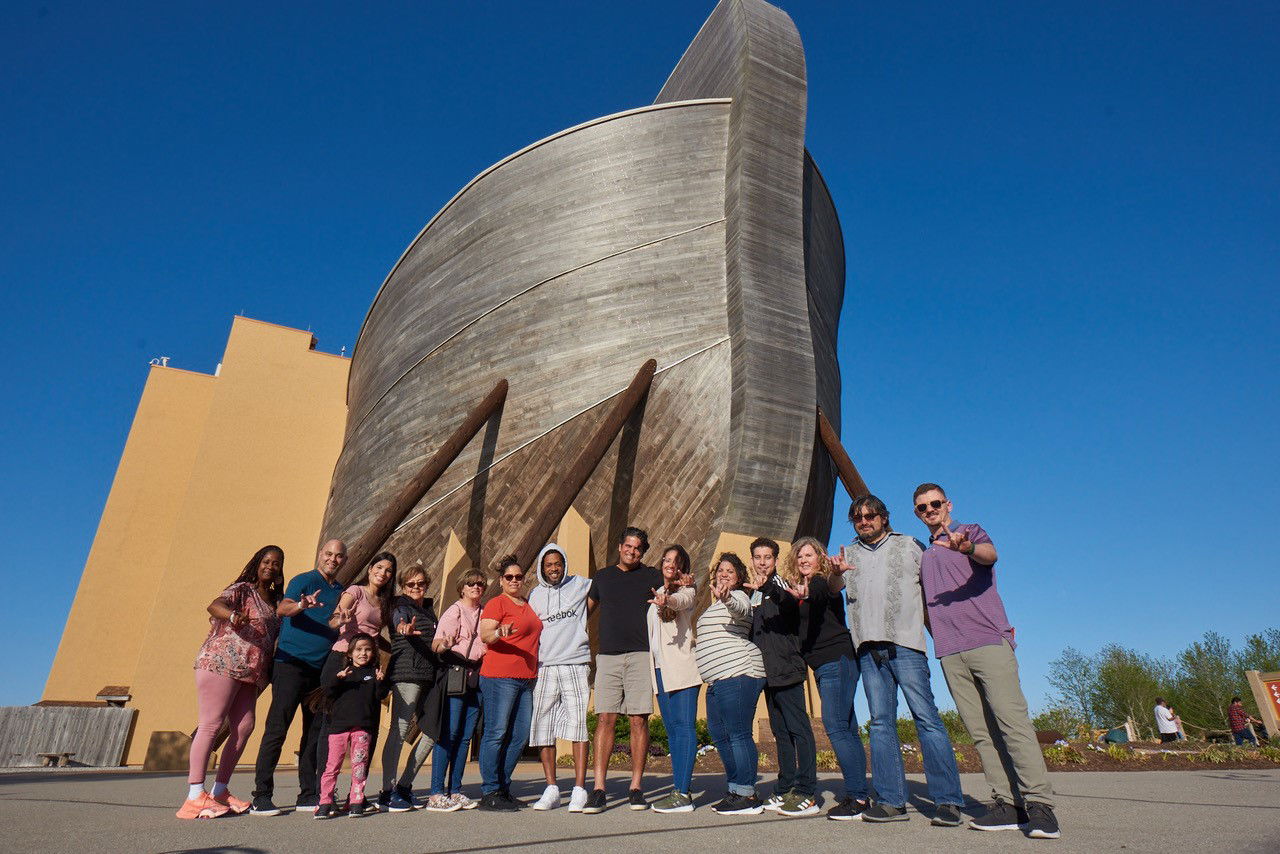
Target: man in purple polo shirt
x=974 y=642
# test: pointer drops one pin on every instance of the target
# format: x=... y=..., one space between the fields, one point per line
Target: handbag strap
x=475 y=633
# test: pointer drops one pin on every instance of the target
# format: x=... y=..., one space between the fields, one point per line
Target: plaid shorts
x=559 y=704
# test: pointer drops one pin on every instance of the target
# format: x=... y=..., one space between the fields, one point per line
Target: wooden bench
x=55 y=760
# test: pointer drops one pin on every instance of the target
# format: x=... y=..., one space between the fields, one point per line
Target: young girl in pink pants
x=353 y=718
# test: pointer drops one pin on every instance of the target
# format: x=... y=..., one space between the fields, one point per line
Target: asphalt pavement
x=84 y=810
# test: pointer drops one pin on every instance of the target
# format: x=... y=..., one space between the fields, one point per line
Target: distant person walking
x=1166 y=722
x=305 y=638
x=974 y=642
x=233 y=666
x=1240 y=721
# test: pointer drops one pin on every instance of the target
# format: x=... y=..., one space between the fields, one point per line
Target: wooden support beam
x=576 y=476
x=853 y=482
x=362 y=550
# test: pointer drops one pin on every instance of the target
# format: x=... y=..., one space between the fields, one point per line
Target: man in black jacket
x=775 y=626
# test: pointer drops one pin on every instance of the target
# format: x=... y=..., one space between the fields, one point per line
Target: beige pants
x=984 y=683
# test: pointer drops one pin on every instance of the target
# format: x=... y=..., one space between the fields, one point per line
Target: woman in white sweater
x=675 y=672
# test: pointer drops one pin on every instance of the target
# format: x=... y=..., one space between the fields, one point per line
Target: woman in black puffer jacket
x=412 y=675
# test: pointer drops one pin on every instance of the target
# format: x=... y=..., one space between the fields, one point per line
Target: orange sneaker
x=202 y=807
x=232 y=803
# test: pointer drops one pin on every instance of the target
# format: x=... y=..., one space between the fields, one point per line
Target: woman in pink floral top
x=233 y=666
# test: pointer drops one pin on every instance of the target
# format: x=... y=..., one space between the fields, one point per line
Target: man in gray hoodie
x=564 y=657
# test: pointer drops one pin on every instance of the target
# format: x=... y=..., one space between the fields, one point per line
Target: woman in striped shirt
x=733 y=669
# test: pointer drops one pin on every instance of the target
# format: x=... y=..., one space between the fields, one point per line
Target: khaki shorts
x=624 y=684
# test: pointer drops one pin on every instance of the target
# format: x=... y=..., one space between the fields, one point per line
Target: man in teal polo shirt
x=305 y=640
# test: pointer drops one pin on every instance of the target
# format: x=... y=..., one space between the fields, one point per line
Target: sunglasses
x=409 y=584
x=474 y=584
x=935 y=504
x=864 y=517
x=519 y=577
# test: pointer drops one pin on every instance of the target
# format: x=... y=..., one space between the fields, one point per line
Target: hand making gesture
x=659 y=597
x=409 y=628
x=957 y=541
x=308 y=600
x=440 y=644
x=720 y=589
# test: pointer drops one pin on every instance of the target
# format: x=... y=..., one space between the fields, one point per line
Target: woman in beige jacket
x=675 y=672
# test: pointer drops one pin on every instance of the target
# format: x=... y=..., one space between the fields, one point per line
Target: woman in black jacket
x=412 y=675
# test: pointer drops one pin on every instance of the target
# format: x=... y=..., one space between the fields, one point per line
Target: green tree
x=1207 y=673
x=1126 y=686
x=1063 y=720
x=1075 y=676
x=1262 y=653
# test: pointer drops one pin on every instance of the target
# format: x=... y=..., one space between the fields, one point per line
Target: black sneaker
x=881 y=813
x=515 y=802
x=636 y=800
x=494 y=802
x=847 y=809
x=1041 y=822
x=264 y=806
x=306 y=804
x=360 y=809
x=384 y=801
x=999 y=816
x=739 y=805
x=595 y=803
x=324 y=811
x=948 y=815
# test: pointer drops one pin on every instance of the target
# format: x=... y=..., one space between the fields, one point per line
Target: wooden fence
x=97 y=736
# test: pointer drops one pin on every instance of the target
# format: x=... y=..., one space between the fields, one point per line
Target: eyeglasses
x=519 y=577
x=935 y=504
x=409 y=584
x=864 y=517
x=474 y=584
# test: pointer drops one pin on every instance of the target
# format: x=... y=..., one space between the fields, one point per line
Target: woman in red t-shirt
x=511 y=630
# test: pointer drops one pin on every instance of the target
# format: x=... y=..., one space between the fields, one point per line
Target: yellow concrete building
x=214 y=467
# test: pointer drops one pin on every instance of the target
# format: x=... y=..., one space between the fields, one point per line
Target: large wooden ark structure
x=695 y=232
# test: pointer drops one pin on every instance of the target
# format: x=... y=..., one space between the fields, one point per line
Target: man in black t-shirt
x=621 y=594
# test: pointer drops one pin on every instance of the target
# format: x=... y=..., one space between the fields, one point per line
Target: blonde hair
x=791 y=573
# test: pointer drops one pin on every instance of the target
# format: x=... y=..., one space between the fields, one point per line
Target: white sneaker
x=550 y=799
x=578 y=800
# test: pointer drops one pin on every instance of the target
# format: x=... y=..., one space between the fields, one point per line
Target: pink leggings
x=358 y=740
x=221 y=698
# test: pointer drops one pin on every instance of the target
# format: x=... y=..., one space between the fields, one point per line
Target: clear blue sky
x=1061 y=222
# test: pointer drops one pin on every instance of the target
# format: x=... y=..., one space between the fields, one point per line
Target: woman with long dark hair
x=674 y=671
x=362 y=609
x=233 y=666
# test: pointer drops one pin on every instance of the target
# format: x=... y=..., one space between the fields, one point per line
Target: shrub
x=956 y=729
x=1063 y=754
x=1269 y=751
x=704 y=733
x=827 y=761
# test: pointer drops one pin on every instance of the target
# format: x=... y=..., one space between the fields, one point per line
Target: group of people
x=524 y=659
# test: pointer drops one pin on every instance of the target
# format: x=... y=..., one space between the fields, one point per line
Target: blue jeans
x=1245 y=735
x=508 y=710
x=886 y=668
x=450 y=753
x=731 y=703
x=679 y=708
x=837 y=686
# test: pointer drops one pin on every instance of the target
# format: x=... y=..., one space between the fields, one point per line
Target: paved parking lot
x=78 y=810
